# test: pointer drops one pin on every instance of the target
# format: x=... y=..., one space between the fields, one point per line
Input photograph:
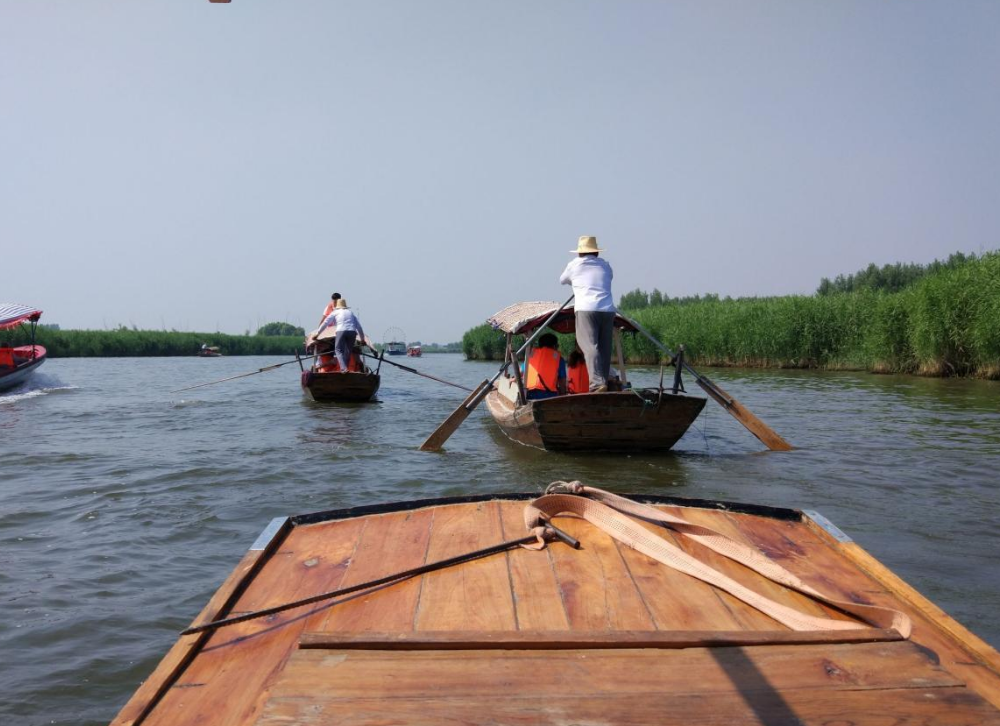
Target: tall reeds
x=947 y=323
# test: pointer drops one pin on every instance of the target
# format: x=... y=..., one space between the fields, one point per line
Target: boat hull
x=17 y=376
x=340 y=387
x=628 y=421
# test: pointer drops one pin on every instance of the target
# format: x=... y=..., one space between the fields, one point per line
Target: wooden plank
x=597 y=589
x=959 y=650
x=475 y=595
x=537 y=601
x=229 y=680
x=634 y=672
x=846 y=571
x=390 y=543
x=924 y=706
x=745 y=616
x=675 y=600
x=576 y=640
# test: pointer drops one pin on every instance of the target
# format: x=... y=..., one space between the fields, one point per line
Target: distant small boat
x=414 y=350
x=209 y=351
x=17 y=363
x=394 y=341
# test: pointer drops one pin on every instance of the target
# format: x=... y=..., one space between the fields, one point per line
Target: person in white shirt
x=590 y=277
x=348 y=328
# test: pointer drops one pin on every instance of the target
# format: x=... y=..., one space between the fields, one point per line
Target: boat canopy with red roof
x=13 y=314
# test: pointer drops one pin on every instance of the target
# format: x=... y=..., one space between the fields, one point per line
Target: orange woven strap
x=605 y=510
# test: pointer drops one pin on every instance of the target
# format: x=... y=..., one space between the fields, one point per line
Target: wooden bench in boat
x=602 y=634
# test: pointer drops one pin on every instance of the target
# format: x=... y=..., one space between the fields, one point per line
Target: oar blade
x=443 y=432
x=754 y=425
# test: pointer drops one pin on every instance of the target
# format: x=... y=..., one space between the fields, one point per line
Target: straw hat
x=341 y=303
x=586 y=245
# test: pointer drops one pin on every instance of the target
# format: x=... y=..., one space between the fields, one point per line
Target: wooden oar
x=754 y=425
x=443 y=432
x=414 y=370
x=241 y=375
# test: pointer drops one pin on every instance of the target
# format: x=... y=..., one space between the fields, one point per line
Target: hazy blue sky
x=179 y=164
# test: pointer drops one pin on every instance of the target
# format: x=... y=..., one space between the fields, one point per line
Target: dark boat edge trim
x=389 y=507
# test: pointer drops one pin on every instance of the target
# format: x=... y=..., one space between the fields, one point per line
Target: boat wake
x=38 y=385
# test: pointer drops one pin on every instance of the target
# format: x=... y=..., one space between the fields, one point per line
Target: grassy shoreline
x=131 y=343
x=945 y=324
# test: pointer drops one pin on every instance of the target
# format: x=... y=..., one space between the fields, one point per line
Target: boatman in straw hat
x=590 y=277
x=349 y=330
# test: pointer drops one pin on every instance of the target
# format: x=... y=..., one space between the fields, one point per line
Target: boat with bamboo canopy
x=624 y=420
x=578 y=606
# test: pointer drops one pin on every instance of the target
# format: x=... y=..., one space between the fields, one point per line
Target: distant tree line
x=285 y=329
x=890 y=278
x=639 y=300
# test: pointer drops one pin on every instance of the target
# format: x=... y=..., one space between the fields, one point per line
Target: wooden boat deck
x=597 y=635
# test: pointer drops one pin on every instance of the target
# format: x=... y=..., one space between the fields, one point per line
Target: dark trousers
x=343 y=346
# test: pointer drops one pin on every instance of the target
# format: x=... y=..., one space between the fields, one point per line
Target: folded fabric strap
x=605 y=510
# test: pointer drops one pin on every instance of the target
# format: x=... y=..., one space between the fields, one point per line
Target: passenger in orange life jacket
x=577 y=378
x=330 y=306
x=545 y=370
x=7 y=356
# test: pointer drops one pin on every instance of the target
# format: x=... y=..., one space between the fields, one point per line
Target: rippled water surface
x=125 y=506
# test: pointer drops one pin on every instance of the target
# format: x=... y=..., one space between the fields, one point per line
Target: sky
x=178 y=164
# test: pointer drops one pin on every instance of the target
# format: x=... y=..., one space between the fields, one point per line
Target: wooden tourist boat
x=631 y=419
x=18 y=363
x=603 y=634
x=323 y=381
x=343 y=387
x=414 y=350
x=209 y=351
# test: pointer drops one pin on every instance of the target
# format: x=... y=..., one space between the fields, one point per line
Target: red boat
x=17 y=363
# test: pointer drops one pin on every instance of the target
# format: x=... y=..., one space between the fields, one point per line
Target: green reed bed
x=127 y=342
x=947 y=323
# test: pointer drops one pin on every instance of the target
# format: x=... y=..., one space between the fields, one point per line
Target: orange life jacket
x=356 y=364
x=328 y=363
x=577 y=378
x=7 y=357
x=542 y=370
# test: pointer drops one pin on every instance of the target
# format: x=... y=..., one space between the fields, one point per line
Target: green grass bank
x=947 y=323
x=127 y=342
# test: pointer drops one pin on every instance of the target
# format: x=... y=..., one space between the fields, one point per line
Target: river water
x=124 y=506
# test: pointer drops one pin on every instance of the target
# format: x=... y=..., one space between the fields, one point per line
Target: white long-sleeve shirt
x=342 y=319
x=591 y=281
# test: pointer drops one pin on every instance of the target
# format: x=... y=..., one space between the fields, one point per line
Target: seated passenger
x=577 y=378
x=545 y=370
